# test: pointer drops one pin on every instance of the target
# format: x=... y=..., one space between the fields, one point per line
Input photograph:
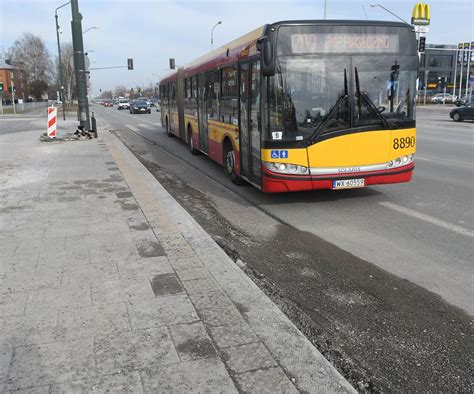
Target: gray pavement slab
x=107 y=284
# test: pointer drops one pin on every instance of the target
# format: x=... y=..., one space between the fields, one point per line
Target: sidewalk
x=107 y=283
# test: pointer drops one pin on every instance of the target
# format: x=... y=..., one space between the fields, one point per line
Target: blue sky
x=152 y=31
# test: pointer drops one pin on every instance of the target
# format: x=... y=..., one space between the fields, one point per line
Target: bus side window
x=228 y=107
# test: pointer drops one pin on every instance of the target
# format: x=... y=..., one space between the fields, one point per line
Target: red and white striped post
x=52 y=122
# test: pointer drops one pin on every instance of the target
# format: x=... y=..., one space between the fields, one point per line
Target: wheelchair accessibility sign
x=279 y=154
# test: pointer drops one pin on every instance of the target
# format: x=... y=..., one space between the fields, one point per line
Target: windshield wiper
x=368 y=102
x=333 y=110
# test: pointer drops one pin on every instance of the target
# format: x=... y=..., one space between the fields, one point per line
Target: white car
x=123 y=104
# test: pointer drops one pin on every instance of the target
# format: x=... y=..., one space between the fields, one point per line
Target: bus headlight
x=284 y=168
x=400 y=161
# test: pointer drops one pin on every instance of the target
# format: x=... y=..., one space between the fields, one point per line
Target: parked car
x=466 y=99
x=465 y=112
x=108 y=103
x=140 y=107
x=123 y=104
x=443 y=98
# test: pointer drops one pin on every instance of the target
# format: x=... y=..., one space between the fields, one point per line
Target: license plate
x=348 y=183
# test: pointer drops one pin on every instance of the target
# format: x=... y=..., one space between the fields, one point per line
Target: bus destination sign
x=341 y=43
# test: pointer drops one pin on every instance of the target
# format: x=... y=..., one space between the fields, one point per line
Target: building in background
x=440 y=67
x=9 y=74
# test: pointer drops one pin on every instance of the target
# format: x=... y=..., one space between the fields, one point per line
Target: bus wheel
x=168 y=128
x=229 y=163
x=190 y=142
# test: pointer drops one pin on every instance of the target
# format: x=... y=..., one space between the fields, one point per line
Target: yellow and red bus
x=302 y=105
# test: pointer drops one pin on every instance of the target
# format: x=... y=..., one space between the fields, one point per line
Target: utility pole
x=80 y=66
x=60 y=63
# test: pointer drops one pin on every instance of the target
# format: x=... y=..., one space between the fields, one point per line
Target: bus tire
x=168 y=128
x=229 y=163
x=193 y=150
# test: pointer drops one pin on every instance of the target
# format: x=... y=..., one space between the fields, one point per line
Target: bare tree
x=69 y=77
x=29 y=53
x=120 y=91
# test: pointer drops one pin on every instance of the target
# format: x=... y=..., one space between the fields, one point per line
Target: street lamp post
x=60 y=63
x=212 y=33
x=80 y=66
x=390 y=12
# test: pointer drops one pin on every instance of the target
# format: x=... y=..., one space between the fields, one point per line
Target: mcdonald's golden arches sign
x=421 y=14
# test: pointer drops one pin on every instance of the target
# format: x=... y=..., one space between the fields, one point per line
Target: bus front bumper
x=280 y=183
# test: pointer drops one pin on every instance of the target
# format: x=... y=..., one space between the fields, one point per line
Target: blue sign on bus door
x=279 y=154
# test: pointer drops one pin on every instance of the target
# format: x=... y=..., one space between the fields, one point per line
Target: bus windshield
x=322 y=94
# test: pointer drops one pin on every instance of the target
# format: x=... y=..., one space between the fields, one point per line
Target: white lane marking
x=429 y=219
x=440 y=161
x=136 y=130
x=146 y=126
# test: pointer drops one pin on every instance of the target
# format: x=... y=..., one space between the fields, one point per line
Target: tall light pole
x=390 y=12
x=212 y=33
x=80 y=67
x=325 y=8
x=60 y=63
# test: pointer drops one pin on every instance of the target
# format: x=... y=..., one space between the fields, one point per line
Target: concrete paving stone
x=247 y=357
x=54 y=231
x=180 y=253
x=129 y=351
x=57 y=362
x=232 y=335
x=12 y=304
x=268 y=381
x=32 y=390
x=23 y=262
x=143 y=236
x=121 y=290
x=5 y=358
x=193 y=273
x=192 y=342
x=221 y=316
x=89 y=273
x=53 y=259
x=30 y=329
x=166 y=284
x=150 y=249
x=198 y=376
x=22 y=281
x=176 y=309
x=200 y=285
x=127 y=382
x=109 y=254
x=64 y=296
x=95 y=320
x=185 y=263
x=210 y=299
x=149 y=267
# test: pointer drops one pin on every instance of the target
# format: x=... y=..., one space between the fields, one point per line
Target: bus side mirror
x=267 y=61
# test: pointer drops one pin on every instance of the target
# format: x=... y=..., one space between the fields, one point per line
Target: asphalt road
x=421 y=231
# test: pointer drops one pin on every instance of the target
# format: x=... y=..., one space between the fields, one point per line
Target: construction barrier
x=52 y=122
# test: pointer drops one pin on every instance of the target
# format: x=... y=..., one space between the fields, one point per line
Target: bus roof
x=245 y=46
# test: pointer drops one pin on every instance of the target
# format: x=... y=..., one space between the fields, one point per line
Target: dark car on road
x=463 y=113
x=140 y=107
x=108 y=103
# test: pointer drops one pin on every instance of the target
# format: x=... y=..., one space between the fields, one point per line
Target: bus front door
x=250 y=122
x=202 y=113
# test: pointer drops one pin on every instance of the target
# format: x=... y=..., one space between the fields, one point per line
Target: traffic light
x=172 y=64
x=12 y=90
x=130 y=64
x=1 y=87
x=421 y=44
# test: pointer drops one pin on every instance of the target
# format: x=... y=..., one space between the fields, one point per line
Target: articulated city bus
x=302 y=105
